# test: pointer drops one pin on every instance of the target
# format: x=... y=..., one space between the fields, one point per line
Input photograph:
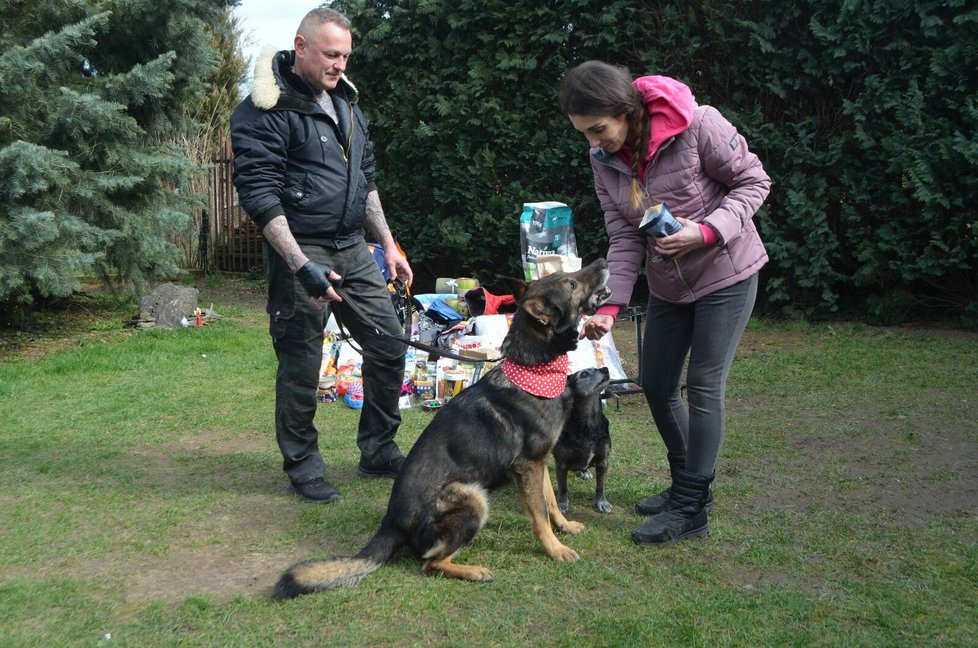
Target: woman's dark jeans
x=707 y=331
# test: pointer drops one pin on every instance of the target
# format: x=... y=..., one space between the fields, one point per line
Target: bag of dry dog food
x=545 y=228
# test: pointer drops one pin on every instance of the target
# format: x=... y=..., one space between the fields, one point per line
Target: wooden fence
x=233 y=242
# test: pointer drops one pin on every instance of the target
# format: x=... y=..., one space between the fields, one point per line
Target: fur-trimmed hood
x=277 y=87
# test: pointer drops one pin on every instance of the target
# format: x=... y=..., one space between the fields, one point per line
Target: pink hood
x=670 y=103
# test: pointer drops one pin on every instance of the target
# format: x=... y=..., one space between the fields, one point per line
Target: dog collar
x=547 y=380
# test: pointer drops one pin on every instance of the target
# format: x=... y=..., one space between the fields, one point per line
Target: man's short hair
x=319 y=17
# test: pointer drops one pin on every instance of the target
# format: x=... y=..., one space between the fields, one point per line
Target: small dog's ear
x=509 y=286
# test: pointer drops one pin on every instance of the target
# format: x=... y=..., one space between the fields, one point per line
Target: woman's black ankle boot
x=655 y=504
x=685 y=515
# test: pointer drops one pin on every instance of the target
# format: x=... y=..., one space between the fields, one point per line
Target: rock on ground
x=168 y=304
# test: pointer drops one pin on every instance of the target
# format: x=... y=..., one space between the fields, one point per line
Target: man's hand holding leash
x=317 y=278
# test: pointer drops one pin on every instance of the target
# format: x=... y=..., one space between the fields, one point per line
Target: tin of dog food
x=452 y=384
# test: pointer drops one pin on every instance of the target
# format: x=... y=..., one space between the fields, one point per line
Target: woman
x=650 y=144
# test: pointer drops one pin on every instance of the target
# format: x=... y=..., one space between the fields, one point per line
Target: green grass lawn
x=143 y=504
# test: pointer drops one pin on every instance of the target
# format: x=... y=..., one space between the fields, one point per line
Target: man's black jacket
x=291 y=158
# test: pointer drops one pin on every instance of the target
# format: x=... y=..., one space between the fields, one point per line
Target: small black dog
x=584 y=441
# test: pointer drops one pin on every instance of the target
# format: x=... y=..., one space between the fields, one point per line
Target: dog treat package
x=551 y=263
x=545 y=228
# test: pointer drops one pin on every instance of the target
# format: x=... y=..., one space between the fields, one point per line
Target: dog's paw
x=480 y=574
x=563 y=504
x=603 y=506
x=572 y=527
x=448 y=569
x=585 y=474
x=564 y=553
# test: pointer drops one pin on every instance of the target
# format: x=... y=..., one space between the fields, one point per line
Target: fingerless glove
x=314 y=277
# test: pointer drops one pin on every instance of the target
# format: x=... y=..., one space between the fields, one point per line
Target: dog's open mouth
x=597 y=298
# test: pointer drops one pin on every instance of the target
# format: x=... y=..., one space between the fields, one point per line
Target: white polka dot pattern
x=547 y=380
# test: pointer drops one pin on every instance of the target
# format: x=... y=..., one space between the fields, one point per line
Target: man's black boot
x=384 y=469
x=315 y=491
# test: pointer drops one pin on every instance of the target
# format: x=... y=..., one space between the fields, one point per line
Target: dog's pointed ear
x=538 y=309
x=542 y=309
x=510 y=286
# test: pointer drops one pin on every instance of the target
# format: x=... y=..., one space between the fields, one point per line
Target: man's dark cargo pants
x=296 y=326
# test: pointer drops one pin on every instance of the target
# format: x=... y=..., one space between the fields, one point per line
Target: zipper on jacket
x=349 y=141
x=679 y=274
x=610 y=161
x=645 y=190
x=648 y=172
x=334 y=121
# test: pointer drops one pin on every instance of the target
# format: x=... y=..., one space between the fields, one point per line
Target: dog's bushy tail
x=319 y=575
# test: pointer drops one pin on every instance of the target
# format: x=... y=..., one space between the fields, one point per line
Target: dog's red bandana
x=547 y=380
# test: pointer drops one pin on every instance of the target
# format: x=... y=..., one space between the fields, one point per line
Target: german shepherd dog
x=585 y=441
x=491 y=431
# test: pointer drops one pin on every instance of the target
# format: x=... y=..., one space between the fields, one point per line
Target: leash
x=381 y=333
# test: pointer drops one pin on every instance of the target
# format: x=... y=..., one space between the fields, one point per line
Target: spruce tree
x=88 y=184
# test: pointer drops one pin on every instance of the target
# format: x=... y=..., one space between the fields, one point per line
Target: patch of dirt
x=749 y=580
x=27 y=335
x=234 y=290
x=195 y=562
x=208 y=571
x=946 y=333
x=95 y=315
x=939 y=476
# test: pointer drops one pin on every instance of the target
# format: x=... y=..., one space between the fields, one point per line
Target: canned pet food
x=452 y=384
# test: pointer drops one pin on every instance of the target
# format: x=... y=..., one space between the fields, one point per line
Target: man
x=304 y=169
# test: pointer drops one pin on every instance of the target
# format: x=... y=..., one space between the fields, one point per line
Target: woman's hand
x=682 y=242
x=597 y=326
